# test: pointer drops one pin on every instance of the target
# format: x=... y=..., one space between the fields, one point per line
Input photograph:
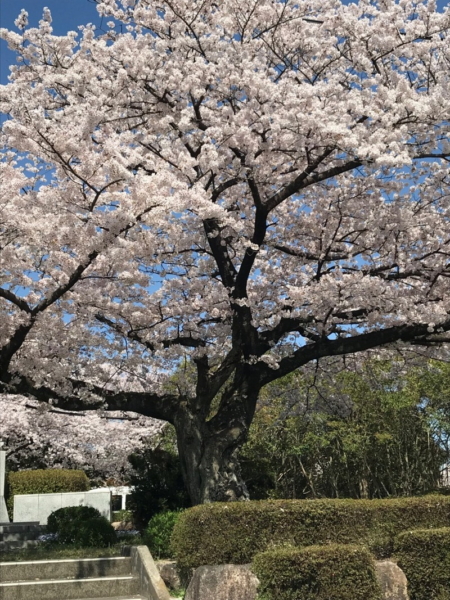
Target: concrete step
x=71 y=589
x=20 y=527
x=75 y=568
x=16 y=545
x=129 y=577
x=16 y=536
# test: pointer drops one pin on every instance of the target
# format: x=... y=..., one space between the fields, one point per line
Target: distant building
x=119 y=495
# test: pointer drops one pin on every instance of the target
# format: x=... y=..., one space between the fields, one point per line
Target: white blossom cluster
x=93 y=441
x=285 y=161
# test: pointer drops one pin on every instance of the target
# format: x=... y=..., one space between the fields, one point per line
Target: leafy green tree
x=377 y=432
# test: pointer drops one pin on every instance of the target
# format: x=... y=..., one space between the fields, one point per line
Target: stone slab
x=223 y=582
x=392 y=580
x=38 y=507
x=4 y=517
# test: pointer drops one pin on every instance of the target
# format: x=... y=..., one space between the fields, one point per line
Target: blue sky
x=67 y=15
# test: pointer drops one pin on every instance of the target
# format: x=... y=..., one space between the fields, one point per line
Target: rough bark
x=209 y=464
x=208 y=445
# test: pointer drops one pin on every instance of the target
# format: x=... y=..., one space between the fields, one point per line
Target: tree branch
x=308 y=177
x=415 y=333
x=226 y=268
x=19 y=302
x=186 y=341
x=147 y=404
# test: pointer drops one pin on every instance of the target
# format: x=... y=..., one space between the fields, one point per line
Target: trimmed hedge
x=334 y=572
x=233 y=533
x=424 y=556
x=45 y=481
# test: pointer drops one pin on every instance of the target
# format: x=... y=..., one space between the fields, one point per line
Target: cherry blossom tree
x=97 y=442
x=234 y=188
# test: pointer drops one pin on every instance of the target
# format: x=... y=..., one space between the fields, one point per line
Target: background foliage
x=379 y=430
x=156 y=480
x=158 y=533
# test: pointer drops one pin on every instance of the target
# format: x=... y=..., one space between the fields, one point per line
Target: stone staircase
x=14 y=536
x=71 y=579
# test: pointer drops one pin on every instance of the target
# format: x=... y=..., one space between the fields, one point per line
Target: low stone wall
x=151 y=583
x=38 y=507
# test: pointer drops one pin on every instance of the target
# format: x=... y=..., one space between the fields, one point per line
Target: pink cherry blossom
x=242 y=188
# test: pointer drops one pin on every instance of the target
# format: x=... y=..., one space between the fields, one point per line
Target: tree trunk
x=208 y=447
x=209 y=464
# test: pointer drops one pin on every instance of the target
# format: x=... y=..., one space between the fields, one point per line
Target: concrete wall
x=37 y=507
x=123 y=491
x=3 y=511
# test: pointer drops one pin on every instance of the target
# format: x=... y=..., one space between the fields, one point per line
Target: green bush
x=424 y=556
x=62 y=517
x=159 y=531
x=334 y=572
x=81 y=526
x=45 y=481
x=93 y=533
x=246 y=528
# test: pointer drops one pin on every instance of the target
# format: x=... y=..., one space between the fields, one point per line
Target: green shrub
x=81 y=526
x=424 y=556
x=60 y=518
x=246 y=528
x=45 y=481
x=334 y=572
x=96 y=532
x=159 y=531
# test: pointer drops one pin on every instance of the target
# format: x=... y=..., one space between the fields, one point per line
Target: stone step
x=18 y=536
x=25 y=526
x=75 y=568
x=16 y=545
x=133 y=576
x=71 y=589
